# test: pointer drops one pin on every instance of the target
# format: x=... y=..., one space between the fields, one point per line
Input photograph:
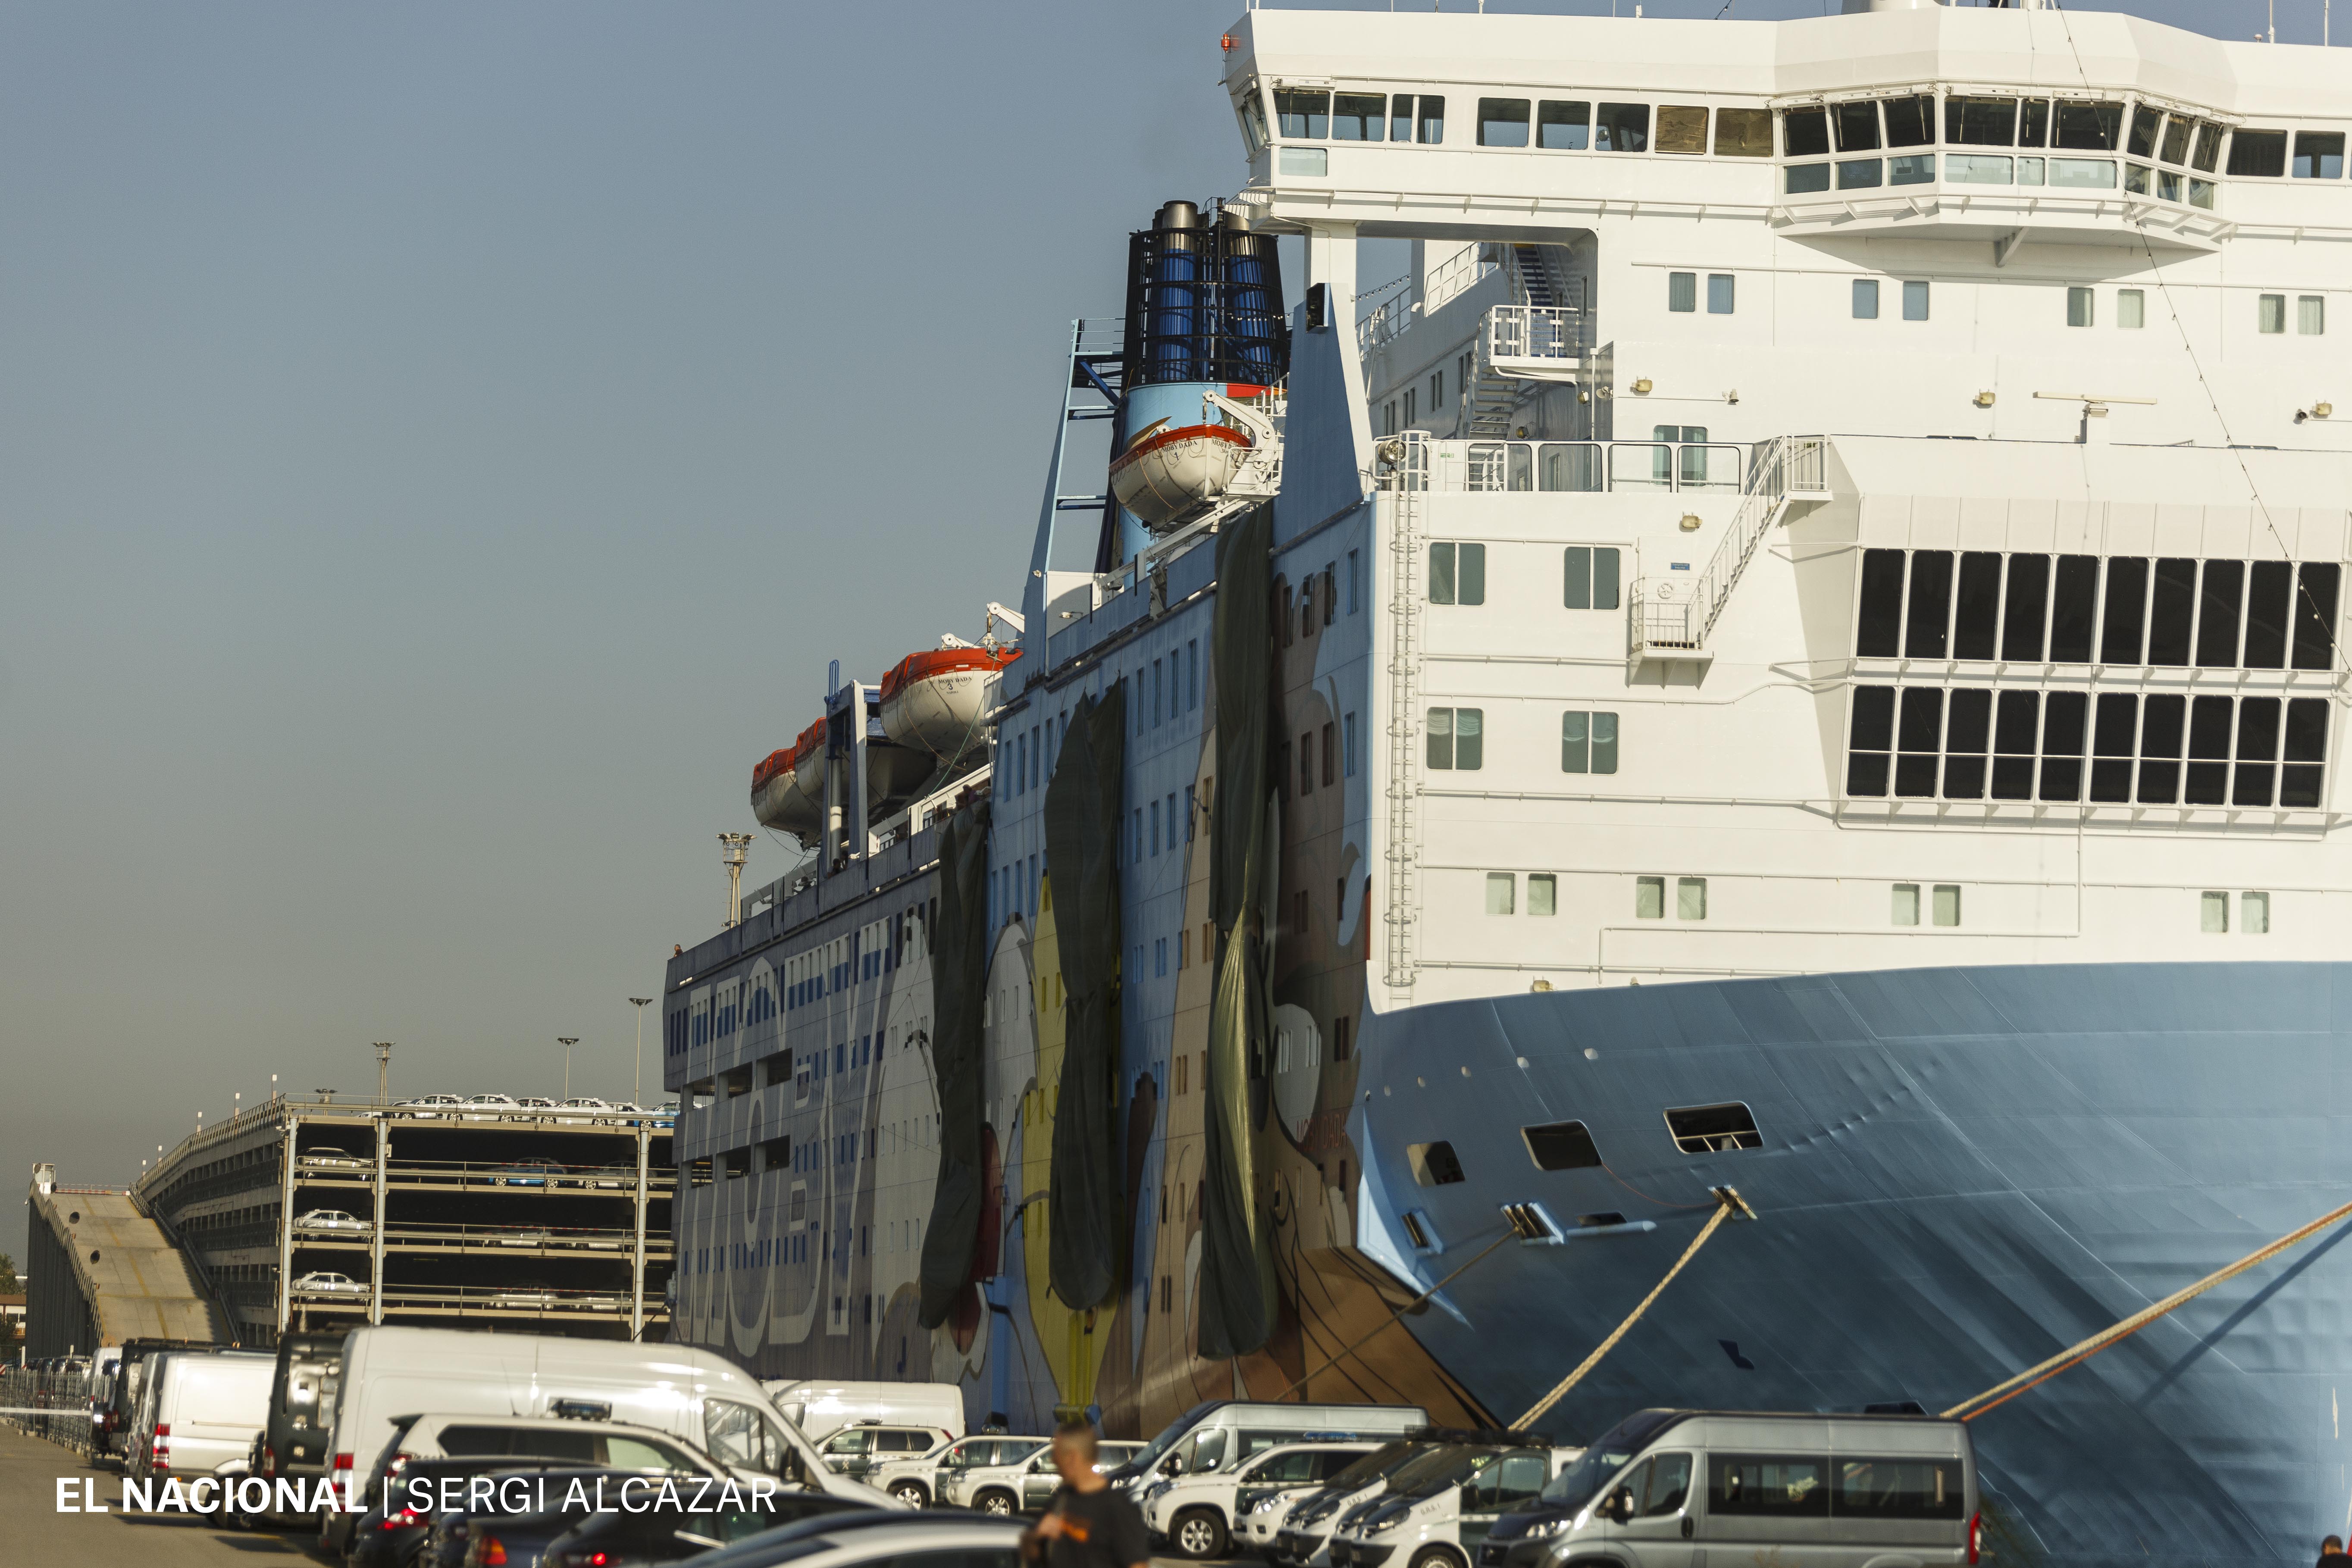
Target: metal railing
x=1675 y=614
x=1538 y=332
x=57 y=1405
x=1585 y=468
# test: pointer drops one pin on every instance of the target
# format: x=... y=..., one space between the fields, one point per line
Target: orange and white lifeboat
x=1169 y=470
x=932 y=700
x=782 y=795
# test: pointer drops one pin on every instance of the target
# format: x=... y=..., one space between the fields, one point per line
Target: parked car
x=859 y=1450
x=684 y=1390
x=919 y=1482
x=1445 y=1514
x=332 y=1220
x=321 y=1283
x=487 y=1108
x=528 y=1174
x=841 y=1539
x=669 y=1531
x=302 y=1408
x=426 y=1107
x=1201 y=1514
x=994 y=1488
x=1217 y=1433
x=584 y=1102
x=1037 y=1485
x=391 y=1531
x=1663 y=1484
x=198 y=1411
x=326 y=1158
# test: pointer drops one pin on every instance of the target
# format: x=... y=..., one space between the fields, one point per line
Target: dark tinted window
x=2258 y=154
x=1565 y=126
x=1979 y=121
x=1502 y=122
x=2120 y=631
x=1560 y=1146
x=2029 y=598
x=1774 y=1485
x=2318 y=155
x=1857 y=126
x=2168 y=612
x=1623 y=128
x=2113 y=728
x=2072 y=607
x=2269 y=596
x=2223 y=584
x=1900 y=1488
x=1806 y=132
x=473 y=1439
x=1926 y=633
x=2145 y=124
x=2314 y=615
x=1878 y=618
x=1435 y=1165
x=1910 y=122
x=2033 y=122
x=2161 y=721
x=1979 y=609
x=1919 y=740
x=2089 y=127
x=2065 y=716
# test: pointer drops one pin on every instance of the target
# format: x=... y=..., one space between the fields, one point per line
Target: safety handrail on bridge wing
x=1668 y=615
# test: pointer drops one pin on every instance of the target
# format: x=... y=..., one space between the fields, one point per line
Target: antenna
x=382 y=1071
x=735 y=848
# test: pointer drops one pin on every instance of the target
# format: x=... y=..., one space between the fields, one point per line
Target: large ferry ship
x=1799 y=651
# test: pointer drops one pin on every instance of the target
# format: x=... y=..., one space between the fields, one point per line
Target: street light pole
x=382 y=1071
x=567 y=1042
x=637 y=1084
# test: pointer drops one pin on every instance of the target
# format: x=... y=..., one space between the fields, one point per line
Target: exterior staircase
x=1669 y=619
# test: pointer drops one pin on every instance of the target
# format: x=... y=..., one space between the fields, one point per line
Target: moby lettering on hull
x=1799 y=649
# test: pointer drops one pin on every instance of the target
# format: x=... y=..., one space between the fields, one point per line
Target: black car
x=670 y=1534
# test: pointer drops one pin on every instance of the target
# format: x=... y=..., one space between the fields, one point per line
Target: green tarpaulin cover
x=959 y=986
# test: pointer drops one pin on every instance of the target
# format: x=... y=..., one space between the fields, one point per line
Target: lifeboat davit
x=1168 y=470
x=932 y=701
x=782 y=795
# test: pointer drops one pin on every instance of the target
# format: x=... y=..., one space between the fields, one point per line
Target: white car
x=332 y=1220
x=1441 y=1519
x=990 y=1488
x=918 y=1482
x=323 y=1158
x=321 y=1284
x=535 y=1102
x=428 y=1106
x=487 y=1108
x=584 y=1102
x=1200 y=1514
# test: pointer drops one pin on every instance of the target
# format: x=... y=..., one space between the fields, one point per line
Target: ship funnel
x=1177 y=215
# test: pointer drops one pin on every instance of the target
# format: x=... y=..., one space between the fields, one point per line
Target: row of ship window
x=1943 y=901
x=1974 y=744
x=1454 y=740
x=2271 y=311
x=1726 y=1128
x=2181 y=151
x=2084 y=609
x=1589 y=573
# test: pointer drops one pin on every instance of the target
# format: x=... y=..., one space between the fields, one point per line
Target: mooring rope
x=2034 y=1376
x=1728 y=1203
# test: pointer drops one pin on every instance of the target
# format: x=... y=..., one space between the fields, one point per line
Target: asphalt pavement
x=33 y=1530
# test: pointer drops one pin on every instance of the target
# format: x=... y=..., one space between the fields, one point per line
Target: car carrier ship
x=1799 y=650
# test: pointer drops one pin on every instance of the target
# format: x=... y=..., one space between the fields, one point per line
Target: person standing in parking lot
x=1089 y=1523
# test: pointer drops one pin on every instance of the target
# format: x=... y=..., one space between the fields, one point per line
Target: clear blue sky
x=441 y=446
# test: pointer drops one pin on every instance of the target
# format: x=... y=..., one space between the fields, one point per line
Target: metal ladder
x=1407 y=481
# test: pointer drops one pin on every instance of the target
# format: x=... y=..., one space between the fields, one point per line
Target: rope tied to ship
x=1728 y=1205
x=2076 y=1354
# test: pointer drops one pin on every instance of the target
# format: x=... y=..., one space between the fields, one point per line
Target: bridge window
x=2089 y=127
x=2208 y=147
x=1979 y=121
x=1857 y=126
x=1358 y=117
x=2318 y=155
x=1564 y=126
x=2176 y=138
x=1426 y=115
x=1503 y=122
x=1743 y=133
x=1301 y=115
x=2033 y=122
x=1682 y=128
x=1805 y=132
x=1623 y=128
x=2146 y=123
x=1910 y=122
x=2258 y=154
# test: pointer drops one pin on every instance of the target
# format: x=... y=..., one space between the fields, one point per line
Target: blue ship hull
x=1962 y=1172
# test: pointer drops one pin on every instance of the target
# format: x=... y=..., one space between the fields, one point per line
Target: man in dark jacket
x=1089 y=1523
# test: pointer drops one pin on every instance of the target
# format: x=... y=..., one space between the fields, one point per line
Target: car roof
x=915 y=1528
x=542 y=1423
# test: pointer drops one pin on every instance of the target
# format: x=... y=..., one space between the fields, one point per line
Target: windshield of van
x=1371 y=1466
x=1581 y=1481
x=1170 y=1434
x=1447 y=1467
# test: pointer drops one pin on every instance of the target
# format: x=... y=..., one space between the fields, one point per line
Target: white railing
x=1674 y=613
x=1582 y=466
x=1388 y=319
x=1537 y=331
x=1457 y=274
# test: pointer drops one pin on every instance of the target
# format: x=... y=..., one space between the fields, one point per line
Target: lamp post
x=567 y=1042
x=382 y=1072
x=637 y=1083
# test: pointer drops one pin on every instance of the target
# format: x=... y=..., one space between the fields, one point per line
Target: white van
x=1201 y=1514
x=818 y=1407
x=1838 y=1491
x=393 y=1373
x=1303 y=1540
x=198 y=1410
x=1441 y=1519
x=1218 y=1433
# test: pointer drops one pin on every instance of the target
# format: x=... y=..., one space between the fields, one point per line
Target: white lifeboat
x=931 y=701
x=1168 y=470
x=779 y=798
